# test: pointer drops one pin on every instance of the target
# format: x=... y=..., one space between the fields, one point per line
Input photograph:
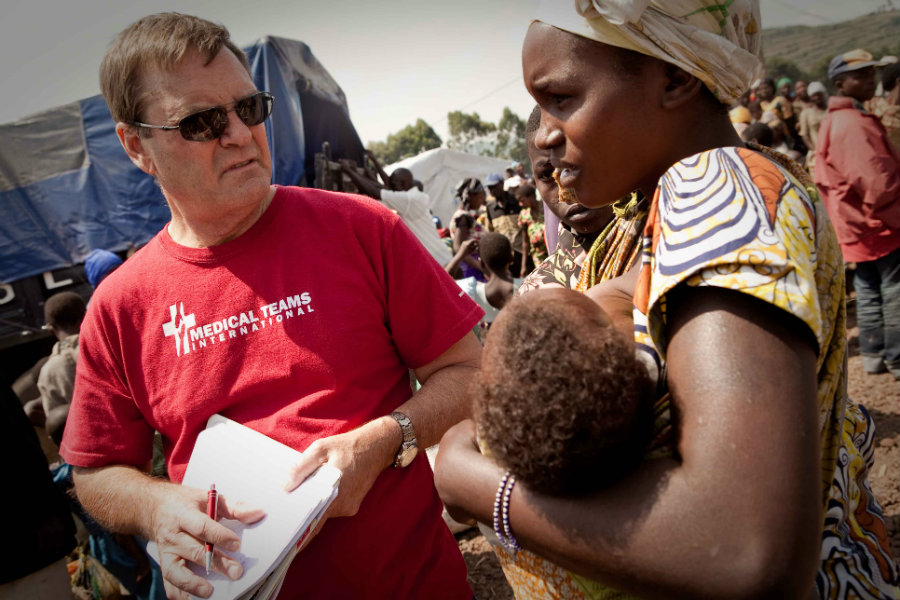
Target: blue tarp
x=67 y=187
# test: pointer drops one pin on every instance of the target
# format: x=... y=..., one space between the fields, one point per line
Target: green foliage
x=808 y=48
x=506 y=139
x=511 y=137
x=467 y=131
x=409 y=141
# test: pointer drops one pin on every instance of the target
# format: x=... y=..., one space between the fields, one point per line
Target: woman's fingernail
x=235 y=571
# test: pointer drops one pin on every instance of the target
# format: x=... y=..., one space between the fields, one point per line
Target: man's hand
x=125 y=500
x=181 y=528
x=361 y=455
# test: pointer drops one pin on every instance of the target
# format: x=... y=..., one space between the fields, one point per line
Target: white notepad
x=246 y=465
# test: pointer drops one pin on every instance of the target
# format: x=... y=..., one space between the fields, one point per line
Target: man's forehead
x=194 y=83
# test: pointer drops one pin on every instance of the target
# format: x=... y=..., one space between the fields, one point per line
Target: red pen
x=212 y=501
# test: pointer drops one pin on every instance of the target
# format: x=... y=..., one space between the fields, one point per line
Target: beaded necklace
x=618 y=245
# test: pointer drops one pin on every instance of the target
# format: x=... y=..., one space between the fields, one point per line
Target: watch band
x=408 y=446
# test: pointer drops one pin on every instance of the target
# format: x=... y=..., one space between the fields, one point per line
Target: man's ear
x=132 y=142
x=680 y=87
x=839 y=84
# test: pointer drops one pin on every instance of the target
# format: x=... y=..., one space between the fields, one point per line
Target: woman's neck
x=700 y=131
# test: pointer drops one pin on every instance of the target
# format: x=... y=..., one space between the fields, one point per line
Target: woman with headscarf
x=755 y=484
x=771 y=102
x=786 y=88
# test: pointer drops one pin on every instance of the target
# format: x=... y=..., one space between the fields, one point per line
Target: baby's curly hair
x=561 y=401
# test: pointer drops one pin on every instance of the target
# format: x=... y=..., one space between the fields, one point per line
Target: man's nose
x=236 y=132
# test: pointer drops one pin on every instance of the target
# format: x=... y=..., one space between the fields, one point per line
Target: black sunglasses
x=210 y=124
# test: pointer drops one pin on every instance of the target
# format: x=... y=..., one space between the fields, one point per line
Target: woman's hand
x=465 y=479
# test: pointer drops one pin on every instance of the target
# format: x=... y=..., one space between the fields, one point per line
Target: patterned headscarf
x=717 y=41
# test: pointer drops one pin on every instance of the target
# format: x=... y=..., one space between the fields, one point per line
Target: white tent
x=440 y=170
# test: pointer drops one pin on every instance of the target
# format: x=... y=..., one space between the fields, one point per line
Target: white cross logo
x=170 y=328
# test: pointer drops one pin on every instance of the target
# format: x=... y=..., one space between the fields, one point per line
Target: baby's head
x=561 y=400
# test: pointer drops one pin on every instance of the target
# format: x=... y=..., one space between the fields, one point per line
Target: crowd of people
x=613 y=409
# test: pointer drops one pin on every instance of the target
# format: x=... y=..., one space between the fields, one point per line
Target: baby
x=562 y=400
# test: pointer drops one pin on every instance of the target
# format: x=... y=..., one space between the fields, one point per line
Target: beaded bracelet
x=498 y=502
x=512 y=544
x=501 y=514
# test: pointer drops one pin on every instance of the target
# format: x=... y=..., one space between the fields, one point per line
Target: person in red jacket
x=858 y=175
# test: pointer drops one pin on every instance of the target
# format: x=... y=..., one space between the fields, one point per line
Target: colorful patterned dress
x=560 y=269
x=535 y=229
x=734 y=218
x=737 y=219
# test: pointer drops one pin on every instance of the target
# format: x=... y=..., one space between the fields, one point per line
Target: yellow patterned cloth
x=738 y=219
x=716 y=41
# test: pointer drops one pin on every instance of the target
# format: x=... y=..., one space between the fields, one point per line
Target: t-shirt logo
x=179 y=328
x=193 y=337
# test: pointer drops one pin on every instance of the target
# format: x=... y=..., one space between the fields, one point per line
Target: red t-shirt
x=858 y=174
x=303 y=327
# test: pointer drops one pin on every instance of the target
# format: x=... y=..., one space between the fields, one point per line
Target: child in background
x=496 y=256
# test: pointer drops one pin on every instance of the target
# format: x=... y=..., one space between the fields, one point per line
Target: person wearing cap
x=858 y=174
x=511 y=183
x=99 y=264
x=811 y=120
x=761 y=490
x=63 y=314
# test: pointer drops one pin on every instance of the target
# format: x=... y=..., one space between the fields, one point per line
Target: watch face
x=408 y=452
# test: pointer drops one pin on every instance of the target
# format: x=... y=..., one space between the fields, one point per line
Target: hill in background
x=800 y=51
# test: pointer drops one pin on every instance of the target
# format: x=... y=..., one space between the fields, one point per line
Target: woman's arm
x=738 y=516
x=465 y=250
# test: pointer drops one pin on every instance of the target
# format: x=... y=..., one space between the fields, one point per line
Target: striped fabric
x=751 y=221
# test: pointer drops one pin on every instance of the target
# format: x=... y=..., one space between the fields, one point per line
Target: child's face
x=580 y=218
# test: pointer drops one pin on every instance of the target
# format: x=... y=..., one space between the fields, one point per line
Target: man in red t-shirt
x=296 y=312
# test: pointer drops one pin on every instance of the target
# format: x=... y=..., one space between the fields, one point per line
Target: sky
x=396 y=60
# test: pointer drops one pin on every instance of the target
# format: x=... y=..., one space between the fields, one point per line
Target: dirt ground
x=880 y=394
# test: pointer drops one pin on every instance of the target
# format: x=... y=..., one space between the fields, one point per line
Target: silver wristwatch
x=408 y=447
